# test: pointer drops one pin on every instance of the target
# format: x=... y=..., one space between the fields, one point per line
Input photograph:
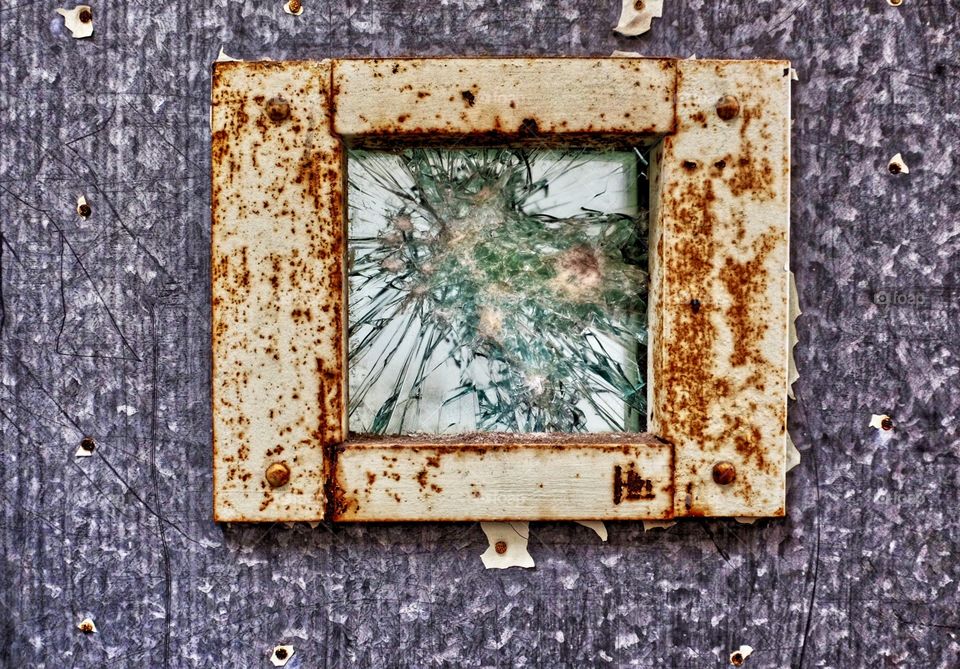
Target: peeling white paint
x=222 y=57
x=83 y=452
x=739 y=656
x=795 y=313
x=637 y=15
x=897 y=165
x=126 y=409
x=511 y=538
x=71 y=19
x=597 y=526
x=288 y=8
x=793 y=454
x=281 y=655
x=658 y=524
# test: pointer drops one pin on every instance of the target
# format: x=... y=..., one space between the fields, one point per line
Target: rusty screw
x=895 y=3
x=88 y=444
x=281 y=653
x=278 y=474
x=278 y=109
x=886 y=424
x=639 y=5
x=728 y=107
x=294 y=6
x=86 y=626
x=724 y=473
x=501 y=547
x=85 y=16
x=737 y=659
x=84 y=210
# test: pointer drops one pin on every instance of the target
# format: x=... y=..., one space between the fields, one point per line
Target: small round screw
x=737 y=659
x=281 y=653
x=84 y=210
x=724 y=473
x=895 y=3
x=278 y=109
x=895 y=168
x=88 y=444
x=85 y=16
x=639 y=5
x=886 y=424
x=501 y=547
x=728 y=107
x=278 y=474
x=295 y=6
x=86 y=626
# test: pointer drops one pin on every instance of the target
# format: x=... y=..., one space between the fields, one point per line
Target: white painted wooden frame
x=719 y=249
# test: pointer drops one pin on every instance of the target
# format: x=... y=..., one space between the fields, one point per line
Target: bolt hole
x=720 y=164
x=689 y=165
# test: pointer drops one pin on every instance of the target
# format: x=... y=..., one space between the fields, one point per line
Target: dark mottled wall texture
x=105 y=332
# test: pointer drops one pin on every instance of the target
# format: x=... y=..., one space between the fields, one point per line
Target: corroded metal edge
x=719 y=307
x=517 y=100
x=277 y=281
x=391 y=480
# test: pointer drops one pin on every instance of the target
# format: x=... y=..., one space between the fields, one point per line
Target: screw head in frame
x=278 y=475
x=724 y=473
x=728 y=107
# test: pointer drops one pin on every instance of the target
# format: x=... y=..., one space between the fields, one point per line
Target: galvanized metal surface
x=106 y=333
x=277 y=273
x=718 y=296
x=719 y=307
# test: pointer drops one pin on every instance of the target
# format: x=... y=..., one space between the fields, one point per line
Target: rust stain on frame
x=503 y=477
x=277 y=273
x=719 y=308
x=560 y=101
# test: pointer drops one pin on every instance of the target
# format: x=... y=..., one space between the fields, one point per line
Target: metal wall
x=105 y=332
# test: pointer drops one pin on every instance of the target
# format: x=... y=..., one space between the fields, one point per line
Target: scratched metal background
x=105 y=332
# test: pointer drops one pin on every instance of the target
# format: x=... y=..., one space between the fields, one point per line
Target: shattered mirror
x=497 y=289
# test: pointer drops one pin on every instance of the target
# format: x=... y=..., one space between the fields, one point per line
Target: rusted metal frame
x=277 y=273
x=758 y=205
x=719 y=308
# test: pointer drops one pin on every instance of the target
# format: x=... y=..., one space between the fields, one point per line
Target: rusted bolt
x=85 y=16
x=737 y=659
x=886 y=424
x=84 y=210
x=728 y=107
x=639 y=5
x=281 y=653
x=295 y=7
x=695 y=305
x=501 y=547
x=88 y=444
x=724 y=473
x=278 y=109
x=278 y=474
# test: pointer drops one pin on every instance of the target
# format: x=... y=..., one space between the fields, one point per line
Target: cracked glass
x=497 y=290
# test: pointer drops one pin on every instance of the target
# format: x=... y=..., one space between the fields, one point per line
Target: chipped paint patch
x=897 y=165
x=79 y=20
x=87 y=626
x=597 y=526
x=636 y=16
x=281 y=655
x=739 y=656
x=795 y=313
x=658 y=524
x=222 y=57
x=508 y=546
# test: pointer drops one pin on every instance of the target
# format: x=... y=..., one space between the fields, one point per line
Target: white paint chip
x=877 y=421
x=897 y=165
x=793 y=454
x=294 y=9
x=79 y=20
x=658 y=524
x=637 y=15
x=508 y=546
x=281 y=655
x=126 y=409
x=597 y=526
x=222 y=57
x=87 y=626
x=739 y=656
x=795 y=313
